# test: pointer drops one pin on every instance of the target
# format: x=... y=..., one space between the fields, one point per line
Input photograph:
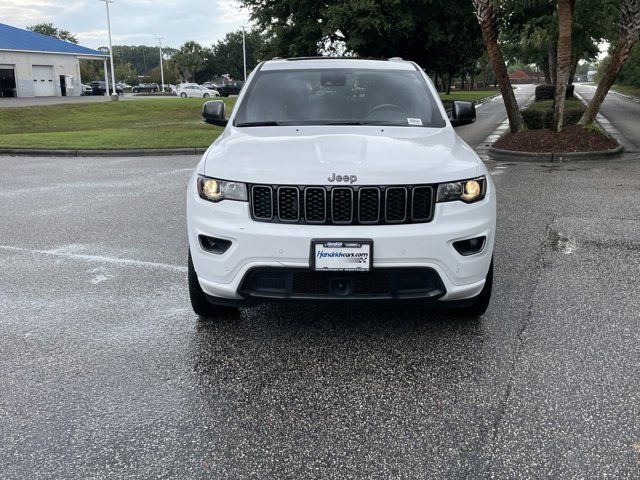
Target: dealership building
x=35 y=65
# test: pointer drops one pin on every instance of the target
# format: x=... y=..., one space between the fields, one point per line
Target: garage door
x=43 y=85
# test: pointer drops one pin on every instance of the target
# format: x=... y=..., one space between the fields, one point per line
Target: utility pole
x=113 y=73
x=244 y=55
x=161 y=65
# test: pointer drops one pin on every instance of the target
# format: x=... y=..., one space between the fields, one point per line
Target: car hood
x=310 y=155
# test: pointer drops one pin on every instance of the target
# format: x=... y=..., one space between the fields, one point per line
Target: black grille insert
x=342 y=205
x=369 y=205
x=366 y=205
x=262 y=202
x=421 y=210
x=288 y=204
x=315 y=205
x=381 y=283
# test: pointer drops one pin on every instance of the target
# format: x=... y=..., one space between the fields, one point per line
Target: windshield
x=339 y=96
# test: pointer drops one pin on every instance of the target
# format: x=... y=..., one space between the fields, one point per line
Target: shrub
x=547 y=92
x=536 y=118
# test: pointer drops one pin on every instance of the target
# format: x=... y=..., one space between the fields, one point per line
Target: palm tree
x=563 y=59
x=189 y=60
x=486 y=13
x=629 y=32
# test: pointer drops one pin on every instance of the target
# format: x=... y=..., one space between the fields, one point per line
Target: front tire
x=201 y=306
x=480 y=303
x=183 y=95
x=206 y=95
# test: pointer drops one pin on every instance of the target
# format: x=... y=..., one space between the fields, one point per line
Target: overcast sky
x=133 y=22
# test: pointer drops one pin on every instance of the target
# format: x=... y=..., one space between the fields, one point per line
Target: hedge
x=536 y=119
x=548 y=92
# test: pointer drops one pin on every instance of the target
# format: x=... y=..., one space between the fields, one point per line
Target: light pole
x=244 y=55
x=113 y=73
x=161 y=65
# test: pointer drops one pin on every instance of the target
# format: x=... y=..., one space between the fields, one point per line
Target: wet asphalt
x=106 y=373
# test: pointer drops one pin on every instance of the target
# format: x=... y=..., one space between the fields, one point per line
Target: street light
x=161 y=65
x=113 y=73
x=244 y=55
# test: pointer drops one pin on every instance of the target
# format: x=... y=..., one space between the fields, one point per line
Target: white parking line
x=96 y=258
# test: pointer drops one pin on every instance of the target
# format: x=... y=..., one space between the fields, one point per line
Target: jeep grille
x=340 y=205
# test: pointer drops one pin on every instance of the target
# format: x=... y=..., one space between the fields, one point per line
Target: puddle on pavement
x=561 y=243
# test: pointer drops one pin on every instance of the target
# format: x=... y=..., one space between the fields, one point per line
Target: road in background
x=620 y=111
x=490 y=115
x=107 y=373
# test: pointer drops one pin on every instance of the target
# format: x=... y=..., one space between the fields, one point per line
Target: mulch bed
x=571 y=139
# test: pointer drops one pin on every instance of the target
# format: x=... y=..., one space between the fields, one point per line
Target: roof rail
x=396 y=59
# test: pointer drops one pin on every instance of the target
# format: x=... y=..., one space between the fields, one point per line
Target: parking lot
x=106 y=372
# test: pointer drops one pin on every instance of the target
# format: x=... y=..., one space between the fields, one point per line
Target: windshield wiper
x=270 y=123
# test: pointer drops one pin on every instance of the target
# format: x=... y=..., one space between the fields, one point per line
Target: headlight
x=215 y=190
x=468 y=191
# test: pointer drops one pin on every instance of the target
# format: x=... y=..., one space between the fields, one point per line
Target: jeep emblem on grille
x=342 y=178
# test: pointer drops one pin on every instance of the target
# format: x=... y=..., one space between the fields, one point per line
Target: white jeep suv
x=339 y=180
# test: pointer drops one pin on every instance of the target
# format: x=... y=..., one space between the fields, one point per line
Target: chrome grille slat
x=342 y=205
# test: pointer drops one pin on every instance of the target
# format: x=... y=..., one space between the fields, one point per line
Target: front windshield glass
x=340 y=96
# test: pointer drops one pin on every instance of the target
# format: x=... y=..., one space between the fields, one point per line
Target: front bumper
x=422 y=245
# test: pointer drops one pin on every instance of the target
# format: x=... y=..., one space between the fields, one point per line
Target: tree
x=564 y=60
x=190 y=59
x=487 y=18
x=292 y=28
x=442 y=36
x=629 y=32
x=50 y=30
x=226 y=54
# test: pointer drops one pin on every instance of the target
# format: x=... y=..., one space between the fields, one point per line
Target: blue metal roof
x=12 y=38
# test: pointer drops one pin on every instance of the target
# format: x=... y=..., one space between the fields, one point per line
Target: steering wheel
x=385 y=106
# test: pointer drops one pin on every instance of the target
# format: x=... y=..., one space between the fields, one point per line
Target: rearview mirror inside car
x=462 y=113
x=213 y=113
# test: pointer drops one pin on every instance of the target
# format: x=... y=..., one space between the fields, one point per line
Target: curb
x=135 y=152
x=487 y=99
x=608 y=127
x=500 y=154
x=632 y=98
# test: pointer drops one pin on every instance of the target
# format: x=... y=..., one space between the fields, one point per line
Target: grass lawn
x=467 y=96
x=148 y=123
x=545 y=105
x=161 y=123
x=627 y=90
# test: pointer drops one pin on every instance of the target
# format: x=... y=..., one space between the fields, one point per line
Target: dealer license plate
x=342 y=255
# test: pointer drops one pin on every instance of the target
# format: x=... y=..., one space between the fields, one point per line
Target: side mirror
x=213 y=113
x=462 y=113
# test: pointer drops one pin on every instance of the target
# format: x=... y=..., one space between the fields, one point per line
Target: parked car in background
x=231 y=88
x=86 y=89
x=196 y=91
x=100 y=88
x=123 y=85
x=146 y=88
x=210 y=85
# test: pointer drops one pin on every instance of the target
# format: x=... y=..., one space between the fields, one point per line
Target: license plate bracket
x=341 y=255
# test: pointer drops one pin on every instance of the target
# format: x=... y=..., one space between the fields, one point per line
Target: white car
x=86 y=89
x=196 y=91
x=339 y=180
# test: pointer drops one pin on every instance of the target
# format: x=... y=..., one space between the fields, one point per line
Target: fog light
x=470 y=246
x=214 y=245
